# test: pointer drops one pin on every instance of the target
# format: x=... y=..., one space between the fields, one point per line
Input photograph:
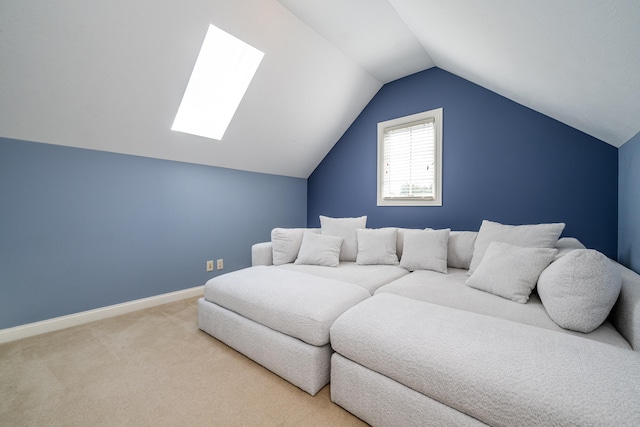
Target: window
x=220 y=78
x=410 y=160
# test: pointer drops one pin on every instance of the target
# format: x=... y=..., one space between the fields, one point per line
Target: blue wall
x=502 y=161
x=82 y=229
x=629 y=204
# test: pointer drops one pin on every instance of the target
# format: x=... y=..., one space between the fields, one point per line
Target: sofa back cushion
x=530 y=236
x=460 y=250
x=400 y=241
x=285 y=243
x=345 y=228
x=566 y=245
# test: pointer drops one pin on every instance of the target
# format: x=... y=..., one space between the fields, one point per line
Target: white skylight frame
x=220 y=78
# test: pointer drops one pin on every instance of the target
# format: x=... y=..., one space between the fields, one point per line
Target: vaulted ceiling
x=110 y=75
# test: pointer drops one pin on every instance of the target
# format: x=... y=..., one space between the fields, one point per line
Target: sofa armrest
x=625 y=315
x=261 y=254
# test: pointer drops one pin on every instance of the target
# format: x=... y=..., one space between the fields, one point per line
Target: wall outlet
x=220 y=265
x=210 y=265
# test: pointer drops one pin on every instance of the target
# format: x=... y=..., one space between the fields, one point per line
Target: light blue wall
x=629 y=204
x=82 y=229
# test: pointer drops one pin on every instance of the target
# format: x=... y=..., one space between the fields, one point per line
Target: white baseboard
x=57 y=323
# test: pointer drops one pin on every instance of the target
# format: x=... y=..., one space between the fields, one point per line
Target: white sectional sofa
x=453 y=331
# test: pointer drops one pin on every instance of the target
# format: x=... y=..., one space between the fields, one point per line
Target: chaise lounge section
x=278 y=318
x=434 y=365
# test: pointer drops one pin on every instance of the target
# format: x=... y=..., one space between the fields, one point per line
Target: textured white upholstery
x=368 y=277
x=425 y=250
x=303 y=365
x=381 y=401
x=529 y=235
x=460 y=249
x=450 y=290
x=625 y=314
x=510 y=271
x=319 y=249
x=345 y=228
x=497 y=371
x=286 y=243
x=377 y=246
x=580 y=289
x=296 y=304
x=262 y=254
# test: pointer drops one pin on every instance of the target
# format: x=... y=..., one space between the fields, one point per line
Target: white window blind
x=410 y=160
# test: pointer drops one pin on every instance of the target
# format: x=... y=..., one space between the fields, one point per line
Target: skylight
x=220 y=78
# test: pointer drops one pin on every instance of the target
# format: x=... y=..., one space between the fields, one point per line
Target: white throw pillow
x=460 y=250
x=580 y=289
x=377 y=246
x=317 y=249
x=528 y=236
x=345 y=228
x=400 y=241
x=510 y=271
x=425 y=250
x=285 y=243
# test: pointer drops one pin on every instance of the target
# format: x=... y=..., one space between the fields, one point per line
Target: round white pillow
x=579 y=289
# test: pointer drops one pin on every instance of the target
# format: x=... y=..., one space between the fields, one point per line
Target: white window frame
x=431 y=115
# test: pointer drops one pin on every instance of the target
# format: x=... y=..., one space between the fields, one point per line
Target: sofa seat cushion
x=450 y=290
x=497 y=371
x=296 y=304
x=369 y=277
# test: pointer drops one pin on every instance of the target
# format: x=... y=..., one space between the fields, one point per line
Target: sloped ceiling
x=576 y=61
x=110 y=75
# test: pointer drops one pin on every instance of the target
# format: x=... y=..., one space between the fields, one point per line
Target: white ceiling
x=574 y=60
x=110 y=75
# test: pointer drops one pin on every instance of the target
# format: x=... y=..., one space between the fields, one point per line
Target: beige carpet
x=153 y=367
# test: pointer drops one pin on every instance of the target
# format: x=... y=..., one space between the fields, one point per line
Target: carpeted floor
x=153 y=367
